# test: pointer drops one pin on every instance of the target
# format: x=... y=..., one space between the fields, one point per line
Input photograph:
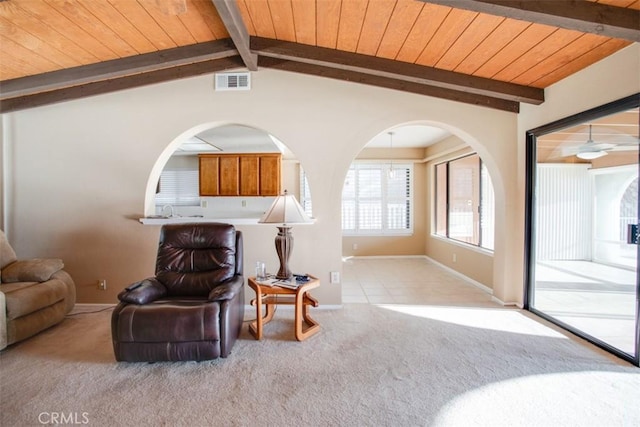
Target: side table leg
x=255 y=327
x=269 y=315
x=302 y=315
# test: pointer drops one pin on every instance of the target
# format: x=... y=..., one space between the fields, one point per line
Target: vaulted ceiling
x=485 y=52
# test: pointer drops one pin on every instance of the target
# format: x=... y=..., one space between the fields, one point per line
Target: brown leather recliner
x=193 y=308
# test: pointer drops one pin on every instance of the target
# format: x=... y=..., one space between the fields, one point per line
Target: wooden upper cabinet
x=229 y=176
x=270 y=175
x=240 y=174
x=209 y=176
x=250 y=175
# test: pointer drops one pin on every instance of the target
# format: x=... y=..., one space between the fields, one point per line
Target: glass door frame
x=629 y=102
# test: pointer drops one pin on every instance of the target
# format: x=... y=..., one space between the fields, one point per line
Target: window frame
x=386 y=199
x=478 y=209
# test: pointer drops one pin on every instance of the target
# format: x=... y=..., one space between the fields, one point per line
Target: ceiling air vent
x=233 y=81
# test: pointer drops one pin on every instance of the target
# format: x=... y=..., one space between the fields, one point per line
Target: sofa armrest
x=227 y=290
x=31 y=270
x=143 y=292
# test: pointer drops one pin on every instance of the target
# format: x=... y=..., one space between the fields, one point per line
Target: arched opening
x=175 y=188
x=396 y=202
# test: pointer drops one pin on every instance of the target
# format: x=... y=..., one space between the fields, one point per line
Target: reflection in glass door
x=583 y=218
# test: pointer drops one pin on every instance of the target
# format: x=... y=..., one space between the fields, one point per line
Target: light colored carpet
x=370 y=365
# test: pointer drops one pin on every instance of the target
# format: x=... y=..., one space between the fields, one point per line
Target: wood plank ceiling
x=491 y=53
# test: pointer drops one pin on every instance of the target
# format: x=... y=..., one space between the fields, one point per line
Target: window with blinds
x=305 y=193
x=465 y=201
x=178 y=188
x=377 y=199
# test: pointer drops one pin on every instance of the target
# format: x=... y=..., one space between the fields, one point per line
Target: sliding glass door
x=582 y=211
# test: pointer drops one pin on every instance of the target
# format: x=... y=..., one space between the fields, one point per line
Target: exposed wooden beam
x=232 y=20
x=580 y=15
x=107 y=70
x=390 y=83
x=396 y=70
x=119 y=83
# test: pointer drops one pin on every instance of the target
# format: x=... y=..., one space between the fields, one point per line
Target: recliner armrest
x=227 y=290
x=143 y=292
x=31 y=270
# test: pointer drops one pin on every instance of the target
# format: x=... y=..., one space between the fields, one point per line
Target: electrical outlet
x=335 y=277
x=355 y=246
x=244 y=203
x=102 y=285
x=455 y=258
x=204 y=203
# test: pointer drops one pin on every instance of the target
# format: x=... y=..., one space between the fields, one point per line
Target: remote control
x=134 y=286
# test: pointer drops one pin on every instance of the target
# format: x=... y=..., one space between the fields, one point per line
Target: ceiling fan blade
x=595 y=146
x=625 y=147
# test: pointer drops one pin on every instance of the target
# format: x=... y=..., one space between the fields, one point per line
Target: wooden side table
x=270 y=296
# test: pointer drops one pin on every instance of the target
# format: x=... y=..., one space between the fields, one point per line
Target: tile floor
x=595 y=298
x=418 y=281
x=406 y=281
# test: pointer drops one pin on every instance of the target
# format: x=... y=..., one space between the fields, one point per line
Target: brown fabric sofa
x=35 y=294
x=193 y=308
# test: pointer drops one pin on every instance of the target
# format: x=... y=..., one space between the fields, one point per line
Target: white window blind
x=377 y=201
x=178 y=188
x=465 y=201
x=305 y=193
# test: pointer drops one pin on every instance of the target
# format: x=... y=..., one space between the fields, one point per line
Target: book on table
x=283 y=283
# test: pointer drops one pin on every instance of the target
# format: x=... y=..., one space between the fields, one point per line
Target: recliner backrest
x=194 y=258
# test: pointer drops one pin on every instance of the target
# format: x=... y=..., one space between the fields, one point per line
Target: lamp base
x=284 y=247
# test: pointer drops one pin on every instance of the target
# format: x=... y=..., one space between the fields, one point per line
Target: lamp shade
x=285 y=210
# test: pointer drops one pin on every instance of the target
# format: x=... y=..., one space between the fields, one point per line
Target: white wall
x=80 y=169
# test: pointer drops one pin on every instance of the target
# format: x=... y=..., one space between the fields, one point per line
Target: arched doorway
x=390 y=203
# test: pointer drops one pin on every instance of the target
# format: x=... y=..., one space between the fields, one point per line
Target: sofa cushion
x=7 y=255
x=32 y=270
x=23 y=298
x=26 y=326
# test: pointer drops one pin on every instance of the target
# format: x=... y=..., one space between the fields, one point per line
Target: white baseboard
x=462 y=276
x=507 y=304
x=87 y=307
x=290 y=307
x=93 y=305
x=384 y=256
x=444 y=267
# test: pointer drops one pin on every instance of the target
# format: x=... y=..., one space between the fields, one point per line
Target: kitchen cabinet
x=270 y=175
x=255 y=174
x=229 y=176
x=209 y=171
x=250 y=175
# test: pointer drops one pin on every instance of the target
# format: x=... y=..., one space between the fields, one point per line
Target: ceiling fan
x=591 y=149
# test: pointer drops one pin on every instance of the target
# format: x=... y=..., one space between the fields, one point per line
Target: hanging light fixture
x=590 y=150
x=391 y=171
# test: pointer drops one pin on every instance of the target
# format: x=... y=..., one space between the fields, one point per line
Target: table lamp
x=284 y=211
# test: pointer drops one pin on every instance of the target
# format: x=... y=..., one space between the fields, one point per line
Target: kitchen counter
x=160 y=220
